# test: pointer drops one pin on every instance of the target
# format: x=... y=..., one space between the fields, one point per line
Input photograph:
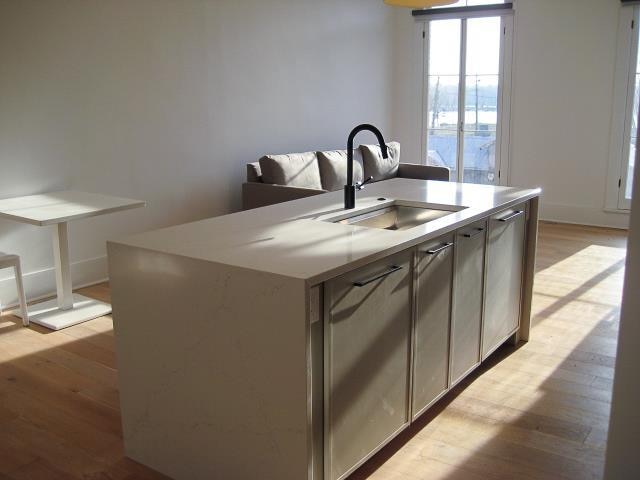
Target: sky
x=483 y=46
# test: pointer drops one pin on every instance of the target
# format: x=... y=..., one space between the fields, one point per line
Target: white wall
x=563 y=76
x=623 y=461
x=407 y=86
x=563 y=94
x=166 y=100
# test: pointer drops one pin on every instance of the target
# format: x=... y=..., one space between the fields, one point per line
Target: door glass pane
x=443 y=101
x=480 y=157
x=628 y=187
x=444 y=47
x=442 y=150
x=481 y=100
x=443 y=88
x=481 y=103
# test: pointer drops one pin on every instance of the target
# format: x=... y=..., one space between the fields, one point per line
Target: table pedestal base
x=50 y=316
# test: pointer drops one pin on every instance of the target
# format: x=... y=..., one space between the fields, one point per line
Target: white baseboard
x=596 y=217
x=42 y=283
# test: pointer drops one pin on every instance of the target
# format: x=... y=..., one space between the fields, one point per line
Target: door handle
x=362 y=283
x=477 y=231
x=512 y=216
x=435 y=251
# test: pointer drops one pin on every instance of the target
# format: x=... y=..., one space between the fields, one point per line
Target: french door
x=467 y=85
x=631 y=118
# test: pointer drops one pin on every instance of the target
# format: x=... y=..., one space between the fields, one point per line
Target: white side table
x=57 y=209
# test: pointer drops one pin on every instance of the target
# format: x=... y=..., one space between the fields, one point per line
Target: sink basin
x=396 y=217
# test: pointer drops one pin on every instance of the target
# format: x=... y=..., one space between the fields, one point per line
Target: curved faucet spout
x=352 y=135
x=350 y=188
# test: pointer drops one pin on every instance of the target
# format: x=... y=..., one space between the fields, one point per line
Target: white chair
x=7 y=261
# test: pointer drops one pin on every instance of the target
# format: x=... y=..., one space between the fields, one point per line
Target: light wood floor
x=535 y=412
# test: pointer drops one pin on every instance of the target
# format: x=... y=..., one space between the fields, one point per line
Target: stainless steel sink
x=396 y=217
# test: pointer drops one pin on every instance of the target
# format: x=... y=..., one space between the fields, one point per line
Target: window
x=466 y=83
x=631 y=120
x=624 y=128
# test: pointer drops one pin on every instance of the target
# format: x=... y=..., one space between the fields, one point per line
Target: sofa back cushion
x=377 y=167
x=294 y=169
x=253 y=172
x=333 y=168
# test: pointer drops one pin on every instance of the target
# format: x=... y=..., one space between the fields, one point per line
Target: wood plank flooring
x=535 y=412
x=540 y=410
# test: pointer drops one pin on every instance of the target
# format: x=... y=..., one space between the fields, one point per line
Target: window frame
x=503 y=127
x=622 y=111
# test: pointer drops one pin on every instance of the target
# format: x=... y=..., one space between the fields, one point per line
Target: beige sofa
x=280 y=178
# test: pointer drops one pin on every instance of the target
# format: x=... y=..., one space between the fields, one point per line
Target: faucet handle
x=360 y=186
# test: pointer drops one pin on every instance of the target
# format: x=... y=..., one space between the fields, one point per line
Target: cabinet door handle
x=444 y=246
x=362 y=283
x=511 y=217
x=477 y=231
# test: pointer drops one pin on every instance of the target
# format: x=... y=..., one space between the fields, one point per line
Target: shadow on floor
x=561 y=434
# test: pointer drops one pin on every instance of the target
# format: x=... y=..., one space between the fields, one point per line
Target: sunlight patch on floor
x=579 y=287
x=557 y=376
x=17 y=341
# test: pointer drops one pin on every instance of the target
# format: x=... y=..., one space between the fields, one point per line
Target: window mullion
x=500 y=107
x=462 y=99
x=425 y=93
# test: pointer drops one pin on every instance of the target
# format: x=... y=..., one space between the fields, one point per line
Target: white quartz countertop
x=289 y=239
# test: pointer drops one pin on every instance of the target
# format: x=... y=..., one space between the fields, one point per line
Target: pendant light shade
x=419 y=3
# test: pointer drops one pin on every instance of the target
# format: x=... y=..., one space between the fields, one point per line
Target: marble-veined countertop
x=290 y=239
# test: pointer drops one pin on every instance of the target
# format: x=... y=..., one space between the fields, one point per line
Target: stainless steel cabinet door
x=367 y=355
x=505 y=257
x=467 y=300
x=434 y=274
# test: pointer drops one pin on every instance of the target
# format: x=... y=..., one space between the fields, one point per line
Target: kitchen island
x=294 y=341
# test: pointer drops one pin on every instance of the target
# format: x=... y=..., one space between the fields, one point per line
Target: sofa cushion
x=377 y=167
x=294 y=169
x=333 y=168
x=253 y=172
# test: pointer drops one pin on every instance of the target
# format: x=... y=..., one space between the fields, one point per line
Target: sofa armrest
x=255 y=195
x=423 y=172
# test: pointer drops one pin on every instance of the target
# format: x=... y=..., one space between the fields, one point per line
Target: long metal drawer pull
x=478 y=231
x=512 y=216
x=439 y=249
x=362 y=283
